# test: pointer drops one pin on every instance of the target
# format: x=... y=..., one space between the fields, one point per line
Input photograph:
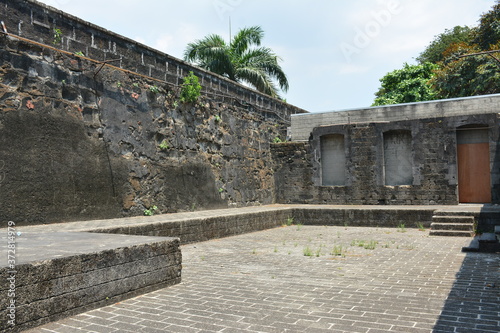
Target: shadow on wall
x=473 y=304
x=54 y=172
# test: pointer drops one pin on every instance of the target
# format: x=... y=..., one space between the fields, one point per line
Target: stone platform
x=66 y=268
x=58 y=274
x=262 y=282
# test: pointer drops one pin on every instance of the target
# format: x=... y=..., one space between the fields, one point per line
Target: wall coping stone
x=303 y=124
x=262 y=100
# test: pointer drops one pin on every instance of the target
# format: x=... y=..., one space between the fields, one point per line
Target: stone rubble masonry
x=59 y=274
x=83 y=142
x=199 y=226
x=35 y=20
x=433 y=157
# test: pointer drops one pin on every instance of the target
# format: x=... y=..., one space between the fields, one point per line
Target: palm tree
x=237 y=61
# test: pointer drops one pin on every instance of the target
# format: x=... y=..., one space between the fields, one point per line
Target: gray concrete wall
x=303 y=124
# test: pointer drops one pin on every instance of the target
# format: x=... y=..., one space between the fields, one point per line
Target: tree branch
x=490 y=53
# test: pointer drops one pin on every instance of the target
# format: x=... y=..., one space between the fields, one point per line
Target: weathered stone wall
x=81 y=140
x=433 y=156
x=202 y=228
x=36 y=21
x=62 y=283
x=293 y=174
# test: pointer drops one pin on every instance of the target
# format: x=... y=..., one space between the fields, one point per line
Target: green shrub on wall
x=191 y=88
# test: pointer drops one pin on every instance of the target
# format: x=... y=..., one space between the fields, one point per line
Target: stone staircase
x=488 y=242
x=452 y=224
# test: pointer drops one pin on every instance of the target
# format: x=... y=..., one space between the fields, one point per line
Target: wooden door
x=474 y=184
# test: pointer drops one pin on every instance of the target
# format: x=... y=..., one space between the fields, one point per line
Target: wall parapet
x=41 y=23
x=303 y=124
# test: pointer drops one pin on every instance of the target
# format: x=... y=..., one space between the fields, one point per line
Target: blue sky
x=334 y=51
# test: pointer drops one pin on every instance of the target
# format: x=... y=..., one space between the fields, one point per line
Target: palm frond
x=264 y=59
x=244 y=38
x=195 y=51
x=212 y=54
x=258 y=79
x=259 y=67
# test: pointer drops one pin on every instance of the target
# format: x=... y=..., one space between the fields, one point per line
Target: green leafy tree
x=241 y=60
x=406 y=85
x=466 y=73
x=488 y=31
x=466 y=70
x=434 y=51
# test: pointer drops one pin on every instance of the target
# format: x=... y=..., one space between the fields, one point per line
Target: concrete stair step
x=454 y=233
x=452 y=226
x=473 y=246
x=455 y=213
x=488 y=237
x=453 y=219
x=487 y=242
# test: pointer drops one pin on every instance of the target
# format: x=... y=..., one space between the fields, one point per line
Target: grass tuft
x=307 y=251
x=338 y=251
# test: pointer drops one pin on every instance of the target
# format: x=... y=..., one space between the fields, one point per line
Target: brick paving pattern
x=315 y=279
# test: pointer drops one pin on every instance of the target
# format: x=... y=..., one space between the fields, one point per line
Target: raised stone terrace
x=337 y=268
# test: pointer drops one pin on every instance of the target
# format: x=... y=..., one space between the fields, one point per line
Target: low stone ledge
x=205 y=228
x=364 y=216
x=62 y=274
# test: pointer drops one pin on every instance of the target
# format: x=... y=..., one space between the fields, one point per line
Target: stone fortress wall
x=91 y=126
x=401 y=154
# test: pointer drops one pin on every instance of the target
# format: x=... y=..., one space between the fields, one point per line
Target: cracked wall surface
x=85 y=139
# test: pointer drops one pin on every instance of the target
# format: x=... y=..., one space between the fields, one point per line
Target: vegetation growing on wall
x=190 y=89
x=57 y=36
x=107 y=141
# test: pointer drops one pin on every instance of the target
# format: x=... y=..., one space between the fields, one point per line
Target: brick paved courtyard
x=316 y=279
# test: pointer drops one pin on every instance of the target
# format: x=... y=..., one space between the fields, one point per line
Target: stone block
x=81 y=271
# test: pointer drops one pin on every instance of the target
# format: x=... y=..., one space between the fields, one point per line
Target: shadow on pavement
x=473 y=304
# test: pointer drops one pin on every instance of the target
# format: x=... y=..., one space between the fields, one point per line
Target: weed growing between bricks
x=263 y=282
x=337 y=243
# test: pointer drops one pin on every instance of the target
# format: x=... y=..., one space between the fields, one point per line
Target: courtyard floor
x=315 y=279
